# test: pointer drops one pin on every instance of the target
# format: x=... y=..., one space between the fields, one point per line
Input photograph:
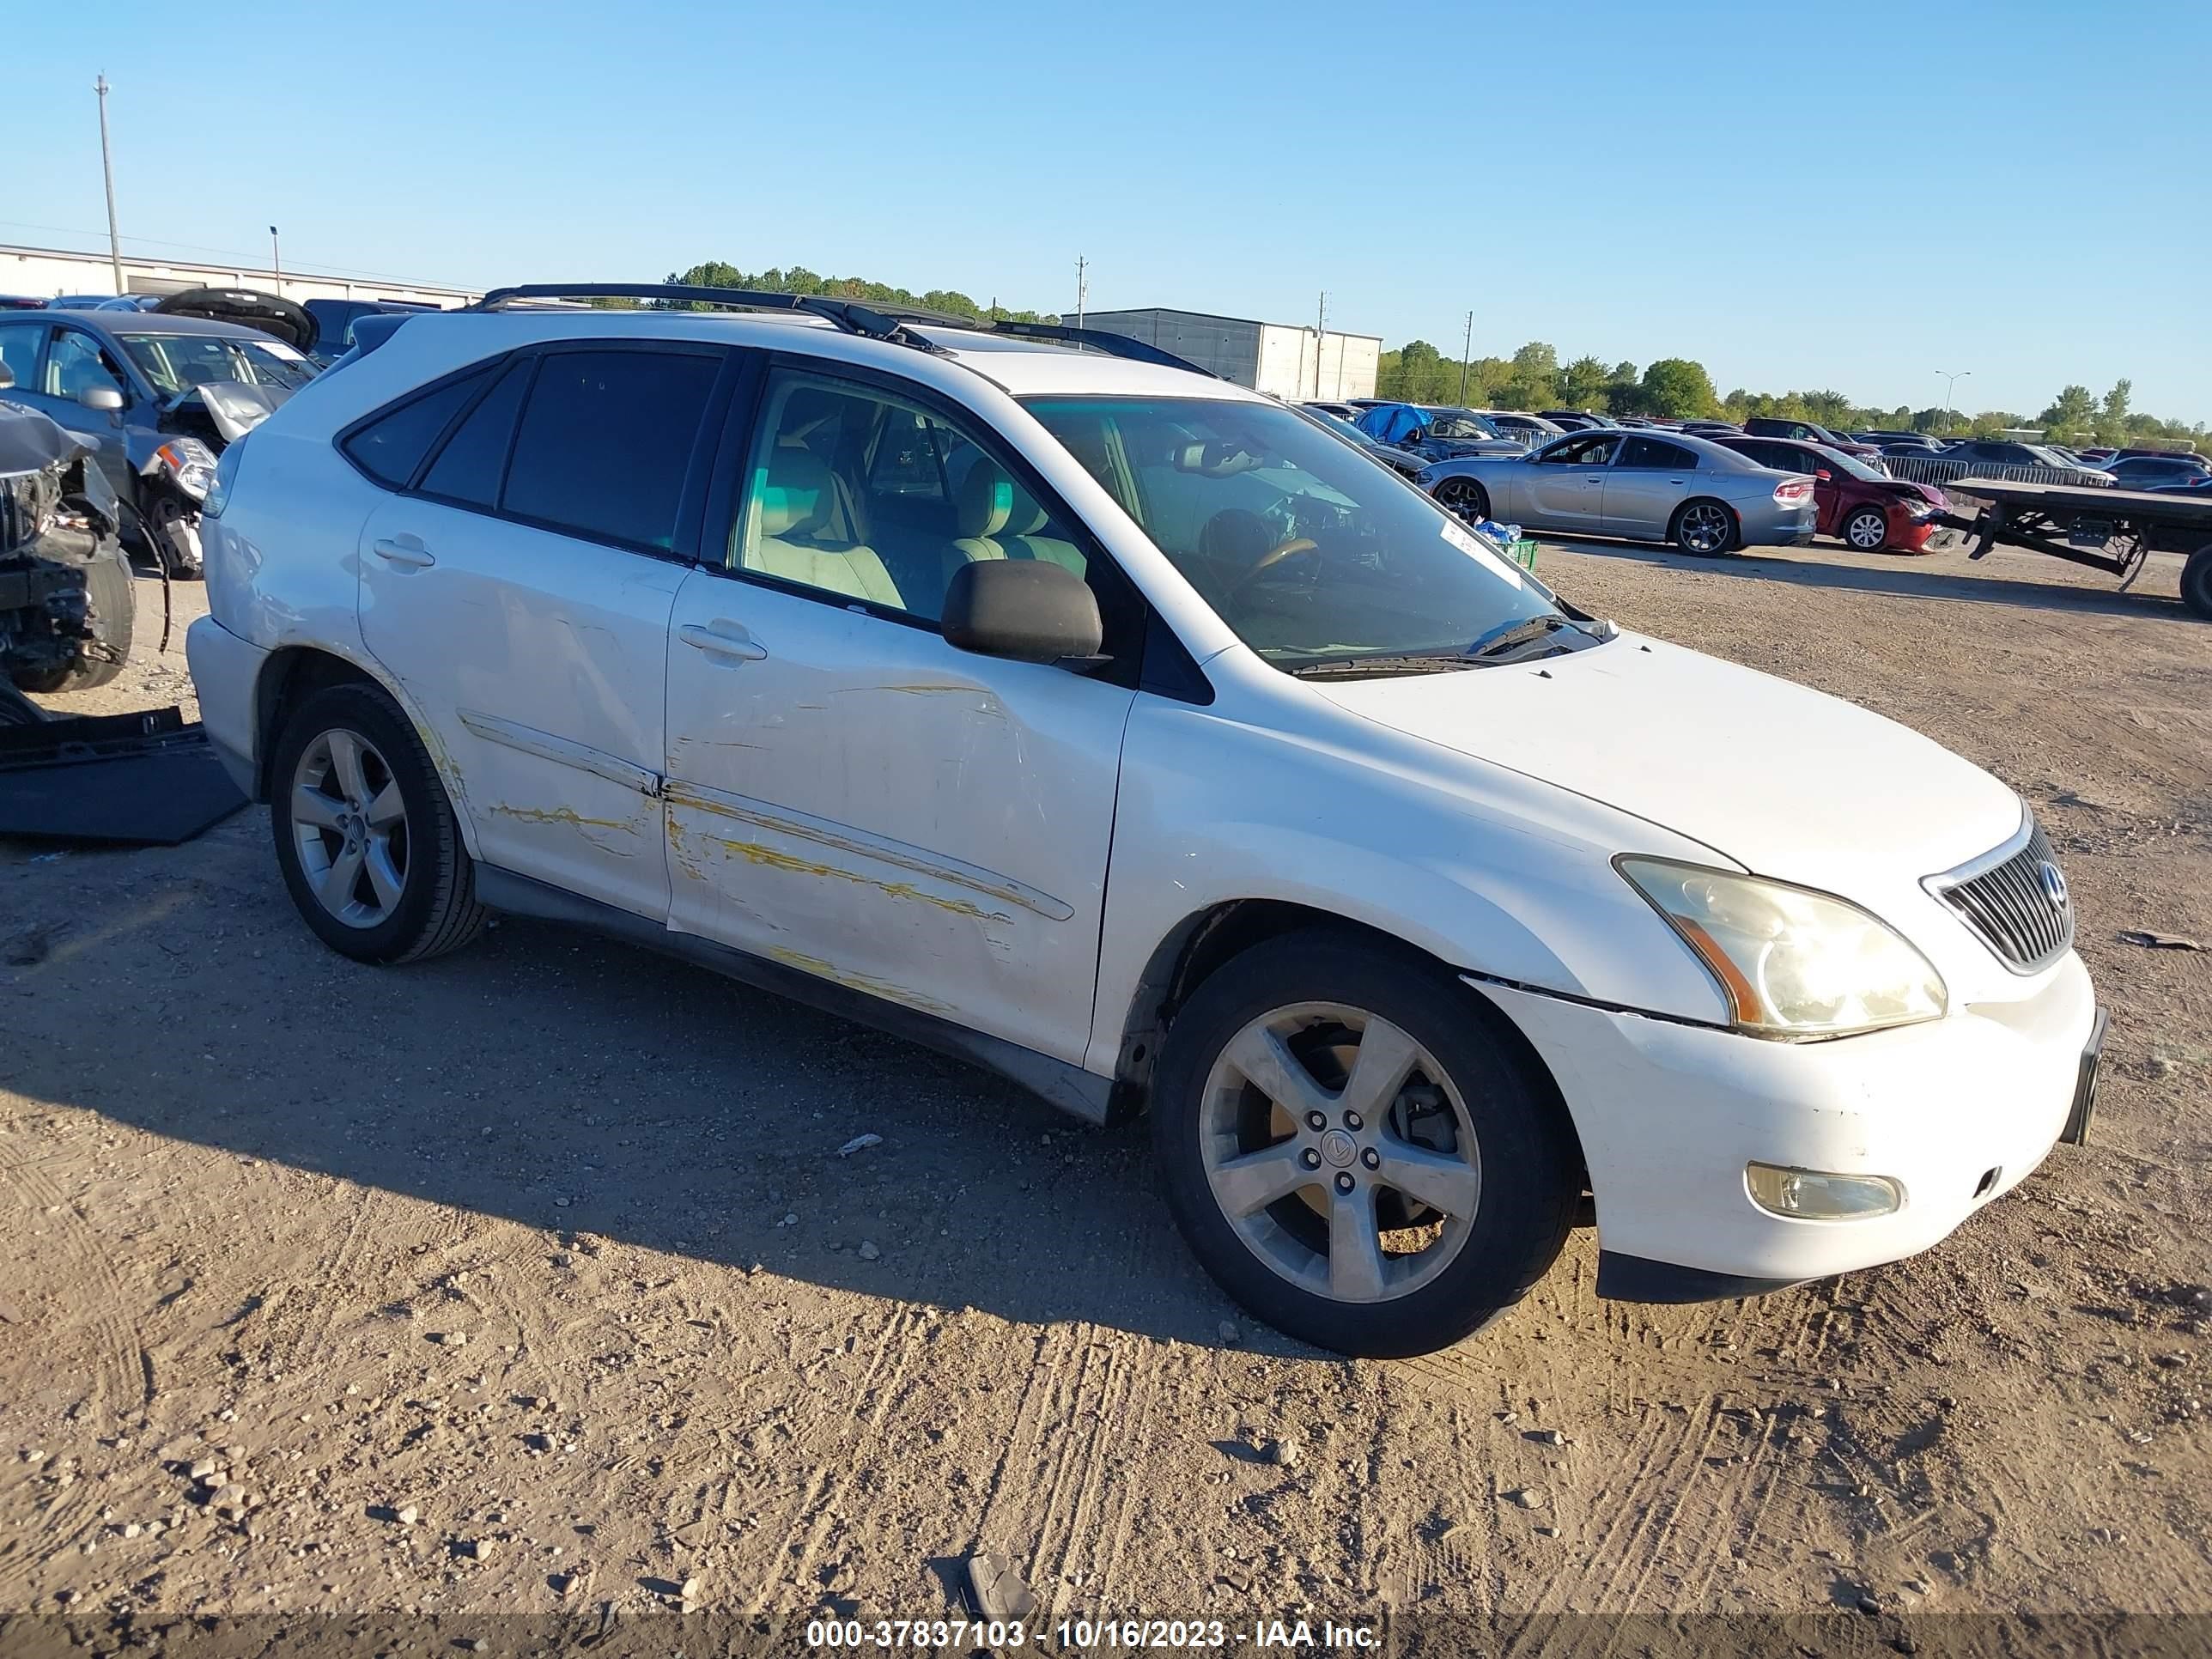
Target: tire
x=412 y=892
x=1865 y=529
x=1464 y=499
x=2196 y=582
x=111 y=595
x=1280 y=1257
x=1695 y=530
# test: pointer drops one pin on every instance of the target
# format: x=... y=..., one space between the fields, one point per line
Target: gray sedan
x=1641 y=486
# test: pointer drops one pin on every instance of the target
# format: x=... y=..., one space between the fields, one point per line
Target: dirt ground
x=532 y=1279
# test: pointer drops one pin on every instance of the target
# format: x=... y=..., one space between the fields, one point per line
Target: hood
x=1786 y=781
x=250 y=307
x=30 y=442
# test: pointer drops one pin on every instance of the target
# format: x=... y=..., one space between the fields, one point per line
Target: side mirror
x=1026 y=609
x=6 y=377
x=101 y=400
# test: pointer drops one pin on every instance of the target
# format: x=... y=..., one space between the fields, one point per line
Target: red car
x=1864 y=508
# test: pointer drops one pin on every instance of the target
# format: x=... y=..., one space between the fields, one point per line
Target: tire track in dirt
x=798 y=1547
x=115 y=1370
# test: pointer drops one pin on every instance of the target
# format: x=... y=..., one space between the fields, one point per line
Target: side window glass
x=605 y=440
x=1643 y=454
x=1680 y=459
x=74 y=364
x=468 y=469
x=391 y=445
x=19 y=350
x=861 y=495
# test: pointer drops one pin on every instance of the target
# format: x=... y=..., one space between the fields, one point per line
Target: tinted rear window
x=390 y=447
x=605 y=438
x=468 y=468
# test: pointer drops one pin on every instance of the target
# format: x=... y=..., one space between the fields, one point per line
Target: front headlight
x=191 y=463
x=1796 y=965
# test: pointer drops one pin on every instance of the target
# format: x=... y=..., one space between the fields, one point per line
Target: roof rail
x=1098 y=339
x=850 y=315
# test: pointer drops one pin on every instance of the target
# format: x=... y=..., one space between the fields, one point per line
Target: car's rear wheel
x=1704 y=526
x=1867 y=529
x=1464 y=499
x=1351 y=1151
x=367 y=839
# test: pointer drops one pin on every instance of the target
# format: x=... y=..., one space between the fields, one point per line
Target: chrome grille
x=2015 y=901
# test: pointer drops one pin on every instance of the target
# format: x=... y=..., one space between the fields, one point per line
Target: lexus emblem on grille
x=2054 y=886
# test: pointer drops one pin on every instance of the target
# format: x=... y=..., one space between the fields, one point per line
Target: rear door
x=1648 y=480
x=1565 y=485
x=518 y=584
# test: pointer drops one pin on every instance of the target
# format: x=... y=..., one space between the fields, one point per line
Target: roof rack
x=1099 y=340
x=893 y=322
x=850 y=315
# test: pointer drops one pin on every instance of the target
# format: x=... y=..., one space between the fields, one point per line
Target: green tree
x=2073 y=411
x=1582 y=382
x=1675 y=388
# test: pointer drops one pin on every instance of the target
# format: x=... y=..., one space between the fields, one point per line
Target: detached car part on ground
x=1125 y=732
x=159 y=394
x=67 y=603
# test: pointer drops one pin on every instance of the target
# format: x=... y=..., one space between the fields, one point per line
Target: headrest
x=985 y=502
x=1027 y=517
x=793 y=486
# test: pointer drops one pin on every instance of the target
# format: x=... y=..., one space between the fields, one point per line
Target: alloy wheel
x=1866 y=530
x=349 y=824
x=1705 y=528
x=1339 y=1151
x=1462 y=500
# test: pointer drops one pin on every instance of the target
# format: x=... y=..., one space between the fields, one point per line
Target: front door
x=520 y=592
x=848 y=793
x=1565 y=483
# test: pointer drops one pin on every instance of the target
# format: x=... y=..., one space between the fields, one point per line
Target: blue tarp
x=1389 y=423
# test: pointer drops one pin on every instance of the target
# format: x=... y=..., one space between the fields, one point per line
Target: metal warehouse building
x=44 y=272
x=1284 y=360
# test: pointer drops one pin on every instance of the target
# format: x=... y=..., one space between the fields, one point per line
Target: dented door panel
x=866 y=803
x=540 y=661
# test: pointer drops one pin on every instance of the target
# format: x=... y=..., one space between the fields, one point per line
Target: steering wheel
x=1274 y=555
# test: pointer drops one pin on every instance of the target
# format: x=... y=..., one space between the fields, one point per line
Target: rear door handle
x=722 y=639
x=402 y=550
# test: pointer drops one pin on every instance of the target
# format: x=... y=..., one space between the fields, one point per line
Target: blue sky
x=1848 y=197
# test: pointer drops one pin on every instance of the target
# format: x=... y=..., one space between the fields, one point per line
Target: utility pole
x=107 y=172
x=1949 y=381
x=1082 y=286
x=276 y=259
x=1466 y=356
x=1321 y=337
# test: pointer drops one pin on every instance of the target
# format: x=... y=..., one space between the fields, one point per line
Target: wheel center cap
x=1340 y=1148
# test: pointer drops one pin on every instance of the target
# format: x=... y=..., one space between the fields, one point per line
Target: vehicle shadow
x=581 y=1086
x=1942 y=576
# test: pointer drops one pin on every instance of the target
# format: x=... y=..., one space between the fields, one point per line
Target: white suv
x=1131 y=734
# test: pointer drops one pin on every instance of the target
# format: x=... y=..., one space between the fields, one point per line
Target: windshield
x=1341 y=426
x=1458 y=423
x=1849 y=465
x=1310 y=552
x=180 y=362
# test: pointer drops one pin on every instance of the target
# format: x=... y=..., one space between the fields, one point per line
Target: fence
x=1946 y=475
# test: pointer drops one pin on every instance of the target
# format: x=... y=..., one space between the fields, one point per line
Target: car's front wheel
x=367 y=839
x=1464 y=499
x=1867 y=529
x=1351 y=1151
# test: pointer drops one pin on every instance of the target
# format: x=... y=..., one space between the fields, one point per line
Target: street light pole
x=107 y=173
x=1466 y=356
x=1950 y=381
x=276 y=260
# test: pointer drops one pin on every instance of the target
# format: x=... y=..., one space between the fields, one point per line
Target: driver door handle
x=402 y=550
x=722 y=639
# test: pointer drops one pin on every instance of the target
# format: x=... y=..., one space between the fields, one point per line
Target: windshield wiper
x=1433 y=662
x=1513 y=636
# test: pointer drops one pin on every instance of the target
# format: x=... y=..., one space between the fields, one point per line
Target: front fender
x=1484 y=869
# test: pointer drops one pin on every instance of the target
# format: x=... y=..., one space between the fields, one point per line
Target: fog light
x=1815 y=1195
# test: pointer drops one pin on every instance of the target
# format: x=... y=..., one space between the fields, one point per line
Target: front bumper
x=226 y=673
x=1956 y=1110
